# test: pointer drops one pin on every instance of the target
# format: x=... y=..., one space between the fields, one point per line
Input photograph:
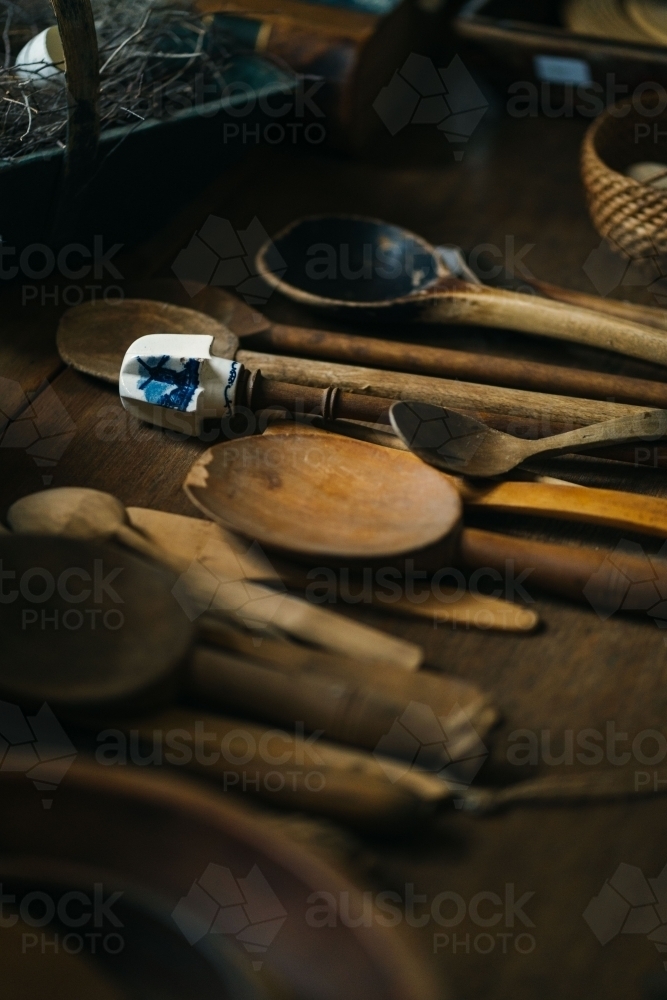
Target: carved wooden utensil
x=367 y=269
x=580 y=573
x=456 y=442
x=329 y=497
x=94 y=337
x=139 y=654
x=217 y=572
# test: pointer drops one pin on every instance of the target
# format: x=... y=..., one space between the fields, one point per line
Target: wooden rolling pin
x=469 y=367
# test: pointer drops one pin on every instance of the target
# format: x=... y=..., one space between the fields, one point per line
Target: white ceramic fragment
x=42 y=58
x=171 y=379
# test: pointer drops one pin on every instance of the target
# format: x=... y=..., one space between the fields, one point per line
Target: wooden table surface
x=517 y=185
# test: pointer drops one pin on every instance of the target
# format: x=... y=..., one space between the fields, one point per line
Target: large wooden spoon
x=217 y=569
x=364 y=269
x=580 y=573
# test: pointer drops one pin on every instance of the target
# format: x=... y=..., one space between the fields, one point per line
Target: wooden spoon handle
x=611 y=508
x=648 y=426
x=483 y=306
x=445 y=363
x=347 y=785
x=357 y=713
x=576 y=572
x=629 y=311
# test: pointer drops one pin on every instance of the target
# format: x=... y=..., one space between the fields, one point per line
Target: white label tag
x=558 y=69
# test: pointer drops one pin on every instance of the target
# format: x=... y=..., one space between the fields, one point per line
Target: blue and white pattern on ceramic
x=167 y=381
x=175 y=373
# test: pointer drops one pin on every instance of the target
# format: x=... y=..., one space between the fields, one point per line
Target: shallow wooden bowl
x=326 y=496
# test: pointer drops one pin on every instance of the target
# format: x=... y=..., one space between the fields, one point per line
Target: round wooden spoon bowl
x=326 y=497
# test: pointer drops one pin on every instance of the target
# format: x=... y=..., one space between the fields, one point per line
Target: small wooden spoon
x=456 y=442
x=216 y=572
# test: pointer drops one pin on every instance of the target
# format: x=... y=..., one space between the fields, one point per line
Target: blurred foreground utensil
x=178 y=850
x=215 y=573
x=127 y=647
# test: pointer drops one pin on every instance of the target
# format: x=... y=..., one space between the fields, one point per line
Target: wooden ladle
x=364 y=269
x=456 y=442
x=77 y=512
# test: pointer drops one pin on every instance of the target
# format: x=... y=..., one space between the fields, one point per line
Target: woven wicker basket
x=630 y=215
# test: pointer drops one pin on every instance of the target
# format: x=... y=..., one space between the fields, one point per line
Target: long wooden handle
x=77 y=31
x=648 y=426
x=547 y=414
x=316 y=777
x=483 y=306
x=611 y=508
x=445 y=363
x=628 y=311
x=352 y=712
x=576 y=572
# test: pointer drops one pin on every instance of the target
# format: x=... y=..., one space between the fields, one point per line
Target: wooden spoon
x=217 y=570
x=94 y=337
x=327 y=498
x=369 y=269
x=117 y=642
x=579 y=572
x=455 y=442
x=258 y=333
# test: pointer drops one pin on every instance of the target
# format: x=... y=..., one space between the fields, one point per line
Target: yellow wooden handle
x=612 y=508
